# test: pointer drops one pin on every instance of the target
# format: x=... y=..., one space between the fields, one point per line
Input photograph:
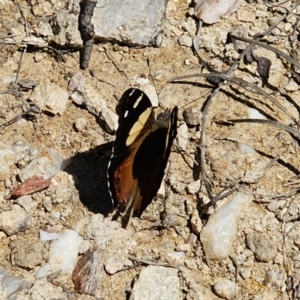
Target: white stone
x=211 y=11
x=11 y=285
x=226 y=289
x=255 y=114
x=49 y=236
x=244 y=148
x=15 y=220
x=50 y=97
x=185 y=40
x=193 y=187
x=220 y=231
x=113 y=265
x=196 y=222
x=63 y=254
x=148 y=89
x=156 y=282
x=182 y=136
x=80 y=124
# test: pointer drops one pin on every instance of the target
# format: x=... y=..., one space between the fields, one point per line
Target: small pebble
x=191 y=116
x=80 y=124
x=185 y=40
x=113 y=265
x=226 y=289
x=196 y=222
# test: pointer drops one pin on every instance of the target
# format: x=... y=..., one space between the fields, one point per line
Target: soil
x=269 y=173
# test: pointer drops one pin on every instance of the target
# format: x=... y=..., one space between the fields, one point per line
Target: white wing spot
x=126 y=114
x=132 y=92
x=138 y=100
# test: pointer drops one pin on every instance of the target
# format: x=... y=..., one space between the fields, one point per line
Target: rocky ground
x=56 y=127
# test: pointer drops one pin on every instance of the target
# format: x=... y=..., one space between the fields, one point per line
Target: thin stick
x=241 y=83
x=116 y=64
x=203 y=147
x=24 y=17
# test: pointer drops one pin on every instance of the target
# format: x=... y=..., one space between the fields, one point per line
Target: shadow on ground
x=89 y=170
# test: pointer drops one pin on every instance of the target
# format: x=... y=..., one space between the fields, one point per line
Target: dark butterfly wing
x=135 y=113
x=135 y=118
x=151 y=159
x=140 y=153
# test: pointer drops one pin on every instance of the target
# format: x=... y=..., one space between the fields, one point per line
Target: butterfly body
x=140 y=152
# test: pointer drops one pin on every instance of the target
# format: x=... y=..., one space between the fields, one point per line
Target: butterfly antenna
x=116 y=64
x=151 y=76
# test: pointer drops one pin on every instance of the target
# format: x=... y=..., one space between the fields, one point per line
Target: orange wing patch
x=126 y=187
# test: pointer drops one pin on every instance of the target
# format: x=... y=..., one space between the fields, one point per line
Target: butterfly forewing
x=135 y=114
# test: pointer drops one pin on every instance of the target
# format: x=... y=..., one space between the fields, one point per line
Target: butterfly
x=140 y=153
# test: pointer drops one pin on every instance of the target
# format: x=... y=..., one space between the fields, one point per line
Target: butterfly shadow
x=89 y=171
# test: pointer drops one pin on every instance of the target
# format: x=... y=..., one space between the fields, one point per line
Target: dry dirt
x=226 y=165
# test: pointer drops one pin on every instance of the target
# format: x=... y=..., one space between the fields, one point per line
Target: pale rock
x=84 y=246
x=226 y=289
x=292 y=86
x=35 y=41
x=15 y=220
x=176 y=184
x=27 y=253
x=175 y=257
x=45 y=166
x=25 y=153
x=87 y=96
x=196 y=222
x=182 y=136
x=255 y=114
x=8 y=158
x=50 y=97
x=190 y=26
x=121 y=27
x=184 y=247
x=49 y=236
x=245 y=272
x=148 y=89
x=80 y=124
x=102 y=231
x=263 y=248
x=174 y=220
x=275 y=280
x=42 y=289
x=192 y=115
x=244 y=148
x=66 y=31
x=27 y=203
x=110 y=119
x=113 y=265
x=156 y=282
x=10 y=285
x=193 y=187
x=220 y=231
x=247 y=14
x=45 y=29
x=62 y=255
x=185 y=40
x=211 y=11
x=137 y=22
x=76 y=83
